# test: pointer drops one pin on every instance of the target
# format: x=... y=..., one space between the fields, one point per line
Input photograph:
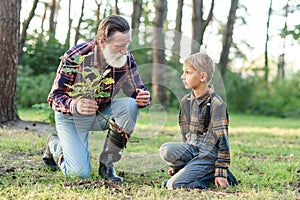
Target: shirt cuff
x=221 y=172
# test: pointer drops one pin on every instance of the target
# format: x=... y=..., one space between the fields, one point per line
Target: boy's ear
x=203 y=76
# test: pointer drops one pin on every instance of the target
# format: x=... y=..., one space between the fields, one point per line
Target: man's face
x=115 y=49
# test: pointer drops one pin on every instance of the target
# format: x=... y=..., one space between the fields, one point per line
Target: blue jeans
x=193 y=165
x=73 y=134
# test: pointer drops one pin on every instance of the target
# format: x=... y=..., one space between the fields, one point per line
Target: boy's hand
x=171 y=171
x=221 y=181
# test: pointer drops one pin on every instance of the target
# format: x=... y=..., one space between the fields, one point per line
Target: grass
x=265 y=158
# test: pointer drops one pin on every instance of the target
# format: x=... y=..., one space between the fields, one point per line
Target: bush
x=33 y=89
x=251 y=95
x=238 y=91
x=280 y=98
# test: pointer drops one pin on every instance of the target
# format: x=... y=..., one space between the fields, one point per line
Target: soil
x=34 y=126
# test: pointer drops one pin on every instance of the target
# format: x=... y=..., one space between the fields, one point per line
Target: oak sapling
x=93 y=84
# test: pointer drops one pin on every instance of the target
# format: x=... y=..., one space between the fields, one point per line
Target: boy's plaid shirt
x=126 y=78
x=191 y=121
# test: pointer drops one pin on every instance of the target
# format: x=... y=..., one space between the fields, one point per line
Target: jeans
x=73 y=133
x=192 y=165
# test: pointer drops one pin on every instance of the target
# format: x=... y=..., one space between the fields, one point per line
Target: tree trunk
x=177 y=37
x=116 y=8
x=9 y=36
x=281 y=63
x=24 y=31
x=136 y=14
x=44 y=17
x=135 y=20
x=98 y=12
x=199 y=24
x=227 y=37
x=67 y=42
x=79 y=23
x=158 y=70
x=266 y=67
x=52 y=16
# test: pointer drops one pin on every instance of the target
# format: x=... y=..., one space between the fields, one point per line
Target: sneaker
x=48 y=156
x=109 y=173
x=164 y=184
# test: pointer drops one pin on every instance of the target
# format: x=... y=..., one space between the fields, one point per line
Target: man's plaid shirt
x=126 y=78
x=191 y=121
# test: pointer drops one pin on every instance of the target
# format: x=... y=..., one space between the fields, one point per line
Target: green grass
x=265 y=158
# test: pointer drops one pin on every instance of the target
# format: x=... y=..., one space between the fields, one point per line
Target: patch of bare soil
x=93 y=184
x=34 y=126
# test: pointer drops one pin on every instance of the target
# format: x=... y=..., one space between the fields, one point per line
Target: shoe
x=109 y=173
x=48 y=156
x=164 y=184
x=231 y=178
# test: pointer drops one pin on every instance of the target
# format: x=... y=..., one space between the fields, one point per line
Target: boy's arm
x=183 y=123
x=220 y=127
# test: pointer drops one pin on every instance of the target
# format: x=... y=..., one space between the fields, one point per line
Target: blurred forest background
x=164 y=33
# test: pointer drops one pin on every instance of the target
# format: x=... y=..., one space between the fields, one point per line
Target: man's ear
x=100 y=40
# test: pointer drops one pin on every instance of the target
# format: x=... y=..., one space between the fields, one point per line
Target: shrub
x=238 y=91
x=33 y=89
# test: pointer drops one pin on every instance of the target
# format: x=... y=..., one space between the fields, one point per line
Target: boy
x=204 y=156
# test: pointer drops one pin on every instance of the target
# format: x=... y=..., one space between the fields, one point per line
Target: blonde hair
x=202 y=63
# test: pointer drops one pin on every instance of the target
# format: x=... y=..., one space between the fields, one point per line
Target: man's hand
x=221 y=181
x=86 y=106
x=143 y=97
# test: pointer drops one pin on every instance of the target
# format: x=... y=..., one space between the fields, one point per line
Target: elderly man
x=68 y=150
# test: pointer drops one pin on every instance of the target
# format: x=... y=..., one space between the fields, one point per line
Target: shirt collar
x=203 y=97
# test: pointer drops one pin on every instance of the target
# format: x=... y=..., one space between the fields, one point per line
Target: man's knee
x=80 y=170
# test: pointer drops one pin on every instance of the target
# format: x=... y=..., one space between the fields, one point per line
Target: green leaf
x=94 y=71
x=102 y=94
x=105 y=72
x=108 y=81
x=70 y=70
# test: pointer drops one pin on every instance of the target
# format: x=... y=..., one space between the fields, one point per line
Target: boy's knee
x=173 y=184
x=164 y=151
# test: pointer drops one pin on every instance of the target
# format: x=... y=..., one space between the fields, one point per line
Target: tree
x=67 y=41
x=136 y=14
x=199 y=24
x=116 y=8
x=227 y=38
x=177 y=36
x=52 y=23
x=266 y=67
x=9 y=36
x=158 y=70
x=24 y=30
x=98 y=12
x=77 y=34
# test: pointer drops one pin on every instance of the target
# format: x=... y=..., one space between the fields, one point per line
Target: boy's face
x=191 y=78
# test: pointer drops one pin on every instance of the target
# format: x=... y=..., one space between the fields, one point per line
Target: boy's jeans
x=187 y=158
x=73 y=134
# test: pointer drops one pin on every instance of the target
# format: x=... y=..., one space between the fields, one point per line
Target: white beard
x=114 y=60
